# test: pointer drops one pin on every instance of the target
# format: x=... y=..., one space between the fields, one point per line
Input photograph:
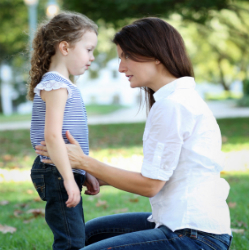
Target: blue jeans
x=133 y=231
x=67 y=224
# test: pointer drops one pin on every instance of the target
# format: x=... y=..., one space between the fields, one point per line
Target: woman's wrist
x=84 y=162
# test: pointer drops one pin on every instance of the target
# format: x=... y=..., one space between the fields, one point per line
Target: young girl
x=62 y=47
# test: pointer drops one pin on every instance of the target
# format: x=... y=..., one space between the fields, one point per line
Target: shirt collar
x=185 y=82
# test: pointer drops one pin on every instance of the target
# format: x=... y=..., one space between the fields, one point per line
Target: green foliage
x=116 y=12
x=219 y=48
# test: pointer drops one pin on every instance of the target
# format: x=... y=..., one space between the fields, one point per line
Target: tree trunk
x=222 y=77
x=1 y=108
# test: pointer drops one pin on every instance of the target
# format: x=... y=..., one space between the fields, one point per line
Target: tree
x=222 y=42
x=115 y=11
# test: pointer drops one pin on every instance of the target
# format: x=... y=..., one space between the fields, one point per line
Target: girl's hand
x=102 y=183
x=74 y=151
x=73 y=193
x=92 y=185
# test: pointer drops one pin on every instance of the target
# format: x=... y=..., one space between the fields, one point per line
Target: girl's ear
x=64 y=48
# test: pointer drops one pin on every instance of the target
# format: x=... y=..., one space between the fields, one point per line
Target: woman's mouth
x=129 y=77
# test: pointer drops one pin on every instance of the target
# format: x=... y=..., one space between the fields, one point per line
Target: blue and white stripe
x=75 y=116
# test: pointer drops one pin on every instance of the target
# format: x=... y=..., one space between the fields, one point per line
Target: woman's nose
x=122 y=68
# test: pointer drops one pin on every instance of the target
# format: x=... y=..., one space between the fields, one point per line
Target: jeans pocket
x=212 y=243
x=39 y=184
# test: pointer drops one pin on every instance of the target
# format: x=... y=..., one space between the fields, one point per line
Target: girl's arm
x=129 y=181
x=55 y=105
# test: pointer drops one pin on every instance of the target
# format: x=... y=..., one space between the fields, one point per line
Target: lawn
x=106 y=142
x=32 y=233
x=93 y=109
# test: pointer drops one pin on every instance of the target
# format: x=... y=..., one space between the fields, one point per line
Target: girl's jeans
x=67 y=224
x=133 y=231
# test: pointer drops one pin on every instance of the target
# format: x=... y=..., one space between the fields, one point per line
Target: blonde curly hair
x=66 y=26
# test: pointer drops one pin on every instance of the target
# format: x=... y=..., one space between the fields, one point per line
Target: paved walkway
x=220 y=109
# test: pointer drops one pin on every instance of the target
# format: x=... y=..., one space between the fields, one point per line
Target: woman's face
x=140 y=74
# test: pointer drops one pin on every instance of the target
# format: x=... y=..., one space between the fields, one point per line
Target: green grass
x=107 y=141
x=239 y=195
x=93 y=109
x=36 y=235
x=224 y=95
x=235 y=134
x=15 y=118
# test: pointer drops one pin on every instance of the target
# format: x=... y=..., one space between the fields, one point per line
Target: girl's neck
x=60 y=71
x=58 y=65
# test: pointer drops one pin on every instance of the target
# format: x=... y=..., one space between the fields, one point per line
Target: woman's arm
x=55 y=105
x=129 y=181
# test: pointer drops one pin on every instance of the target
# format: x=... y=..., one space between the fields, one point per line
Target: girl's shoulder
x=52 y=81
x=56 y=77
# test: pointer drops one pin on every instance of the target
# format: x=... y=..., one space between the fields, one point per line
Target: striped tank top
x=75 y=116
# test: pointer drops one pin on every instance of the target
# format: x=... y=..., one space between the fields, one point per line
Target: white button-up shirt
x=182 y=146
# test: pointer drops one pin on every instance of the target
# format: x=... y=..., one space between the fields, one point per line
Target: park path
x=220 y=109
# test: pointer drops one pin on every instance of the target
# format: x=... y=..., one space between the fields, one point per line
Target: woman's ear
x=64 y=48
x=157 y=61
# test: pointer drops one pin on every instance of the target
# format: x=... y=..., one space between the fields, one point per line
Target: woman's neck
x=161 y=81
x=162 y=77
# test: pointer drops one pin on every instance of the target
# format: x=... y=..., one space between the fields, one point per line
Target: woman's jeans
x=133 y=231
x=67 y=224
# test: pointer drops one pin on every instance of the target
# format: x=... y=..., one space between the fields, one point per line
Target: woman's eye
x=126 y=56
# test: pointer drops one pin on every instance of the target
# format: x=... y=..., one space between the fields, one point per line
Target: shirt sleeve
x=169 y=126
x=51 y=85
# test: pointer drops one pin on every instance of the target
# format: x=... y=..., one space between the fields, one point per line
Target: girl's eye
x=126 y=56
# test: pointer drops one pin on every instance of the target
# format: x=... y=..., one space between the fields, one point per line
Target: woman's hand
x=75 y=152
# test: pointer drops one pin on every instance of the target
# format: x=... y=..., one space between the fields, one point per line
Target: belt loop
x=193 y=234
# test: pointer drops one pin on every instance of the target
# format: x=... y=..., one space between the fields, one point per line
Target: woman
x=181 y=144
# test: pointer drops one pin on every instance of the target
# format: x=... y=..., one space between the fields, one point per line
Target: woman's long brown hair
x=66 y=26
x=152 y=38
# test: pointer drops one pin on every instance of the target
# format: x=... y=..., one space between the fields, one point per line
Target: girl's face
x=80 y=55
x=140 y=74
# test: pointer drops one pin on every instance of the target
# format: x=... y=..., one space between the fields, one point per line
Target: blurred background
x=216 y=34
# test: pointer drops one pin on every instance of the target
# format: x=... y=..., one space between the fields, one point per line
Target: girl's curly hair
x=66 y=26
